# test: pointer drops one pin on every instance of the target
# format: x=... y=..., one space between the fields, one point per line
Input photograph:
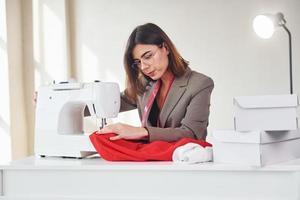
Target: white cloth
x=191 y=153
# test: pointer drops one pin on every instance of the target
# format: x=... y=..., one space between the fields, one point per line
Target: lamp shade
x=263 y=26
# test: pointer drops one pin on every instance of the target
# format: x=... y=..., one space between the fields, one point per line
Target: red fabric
x=125 y=150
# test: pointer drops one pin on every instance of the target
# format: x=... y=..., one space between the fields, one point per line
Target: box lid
x=266 y=101
x=257 y=137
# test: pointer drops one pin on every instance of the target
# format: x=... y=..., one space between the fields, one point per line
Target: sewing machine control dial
x=65 y=85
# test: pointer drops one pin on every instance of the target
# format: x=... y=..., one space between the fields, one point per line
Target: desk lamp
x=264 y=26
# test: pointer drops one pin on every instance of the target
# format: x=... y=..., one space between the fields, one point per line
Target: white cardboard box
x=255 y=148
x=269 y=113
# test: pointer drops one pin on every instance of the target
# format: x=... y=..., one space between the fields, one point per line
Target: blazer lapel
x=176 y=91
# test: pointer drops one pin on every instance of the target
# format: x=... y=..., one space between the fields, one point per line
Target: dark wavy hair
x=148 y=33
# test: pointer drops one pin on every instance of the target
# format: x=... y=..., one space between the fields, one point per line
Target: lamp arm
x=290 y=57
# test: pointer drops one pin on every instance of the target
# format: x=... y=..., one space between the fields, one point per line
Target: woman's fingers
x=117 y=137
x=112 y=128
x=106 y=129
x=124 y=131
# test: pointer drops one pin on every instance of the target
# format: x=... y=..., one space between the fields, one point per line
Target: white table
x=58 y=178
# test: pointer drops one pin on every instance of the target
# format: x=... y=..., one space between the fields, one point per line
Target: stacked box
x=266 y=131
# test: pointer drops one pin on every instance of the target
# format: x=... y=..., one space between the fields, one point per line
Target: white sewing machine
x=60 y=112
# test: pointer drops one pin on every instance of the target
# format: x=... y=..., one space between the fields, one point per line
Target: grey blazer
x=186 y=109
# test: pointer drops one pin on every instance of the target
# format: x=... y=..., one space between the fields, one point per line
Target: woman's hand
x=124 y=131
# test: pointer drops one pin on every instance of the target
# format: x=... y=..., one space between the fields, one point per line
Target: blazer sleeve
x=195 y=122
x=126 y=104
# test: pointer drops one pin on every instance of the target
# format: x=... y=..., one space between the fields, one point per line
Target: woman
x=172 y=101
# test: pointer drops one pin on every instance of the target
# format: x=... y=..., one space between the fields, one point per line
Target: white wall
x=215 y=36
x=5 y=140
x=49 y=40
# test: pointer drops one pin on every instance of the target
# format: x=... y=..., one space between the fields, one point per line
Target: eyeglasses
x=146 y=59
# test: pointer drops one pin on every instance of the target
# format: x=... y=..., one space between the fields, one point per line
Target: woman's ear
x=166 y=47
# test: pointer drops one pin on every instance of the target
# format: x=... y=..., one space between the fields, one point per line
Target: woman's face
x=152 y=60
